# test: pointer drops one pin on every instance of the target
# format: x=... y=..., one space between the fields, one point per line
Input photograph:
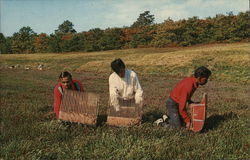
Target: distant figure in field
x=181 y=94
x=65 y=82
x=123 y=85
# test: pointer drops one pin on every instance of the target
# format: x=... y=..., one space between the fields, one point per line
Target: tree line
x=142 y=33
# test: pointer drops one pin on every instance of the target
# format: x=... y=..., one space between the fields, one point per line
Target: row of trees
x=142 y=33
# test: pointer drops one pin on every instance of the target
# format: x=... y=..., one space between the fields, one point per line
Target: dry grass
x=232 y=59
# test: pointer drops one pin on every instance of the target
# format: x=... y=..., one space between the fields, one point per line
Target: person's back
x=187 y=84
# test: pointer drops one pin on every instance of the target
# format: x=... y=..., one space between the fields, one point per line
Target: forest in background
x=143 y=33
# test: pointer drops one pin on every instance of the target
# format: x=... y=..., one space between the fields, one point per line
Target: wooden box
x=79 y=107
x=130 y=114
x=198 y=114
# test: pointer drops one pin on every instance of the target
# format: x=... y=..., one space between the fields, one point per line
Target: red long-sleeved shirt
x=58 y=94
x=183 y=92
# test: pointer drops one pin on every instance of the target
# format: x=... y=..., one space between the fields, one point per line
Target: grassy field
x=30 y=131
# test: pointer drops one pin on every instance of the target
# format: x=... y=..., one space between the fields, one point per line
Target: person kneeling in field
x=181 y=95
x=65 y=82
x=123 y=85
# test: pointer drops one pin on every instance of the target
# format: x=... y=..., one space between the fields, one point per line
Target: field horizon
x=29 y=130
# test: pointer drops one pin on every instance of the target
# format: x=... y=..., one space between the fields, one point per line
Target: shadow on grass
x=151 y=116
x=214 y=121
x=101 y=120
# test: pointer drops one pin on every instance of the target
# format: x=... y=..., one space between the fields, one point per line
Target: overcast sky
x=44 y=16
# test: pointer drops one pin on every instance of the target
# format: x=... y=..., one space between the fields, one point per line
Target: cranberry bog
x=29 y=129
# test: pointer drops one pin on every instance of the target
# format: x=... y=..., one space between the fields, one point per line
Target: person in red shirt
x=65 y=82
x=181 y=95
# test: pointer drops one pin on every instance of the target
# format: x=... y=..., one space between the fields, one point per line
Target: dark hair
x=202 y=72
x=65 y=74
x=117 y=65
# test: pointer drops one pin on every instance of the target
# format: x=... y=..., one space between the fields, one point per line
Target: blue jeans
x=173 y=113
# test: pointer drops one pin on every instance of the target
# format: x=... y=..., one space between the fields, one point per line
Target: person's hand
x=139 y=102
x=188 y=125
x=117 y=108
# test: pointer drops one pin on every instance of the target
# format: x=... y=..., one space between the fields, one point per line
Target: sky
x=44 y=16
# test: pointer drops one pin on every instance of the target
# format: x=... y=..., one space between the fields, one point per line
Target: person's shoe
x=158 y=122
x=165 y=118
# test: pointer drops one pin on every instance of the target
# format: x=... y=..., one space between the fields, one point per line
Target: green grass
x=29 y=131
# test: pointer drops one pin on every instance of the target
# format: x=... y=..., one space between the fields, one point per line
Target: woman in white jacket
x=123 y=85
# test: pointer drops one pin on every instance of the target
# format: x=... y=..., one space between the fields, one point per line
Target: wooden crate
x=129 y=115
x=198 y=114
x=79 y=107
